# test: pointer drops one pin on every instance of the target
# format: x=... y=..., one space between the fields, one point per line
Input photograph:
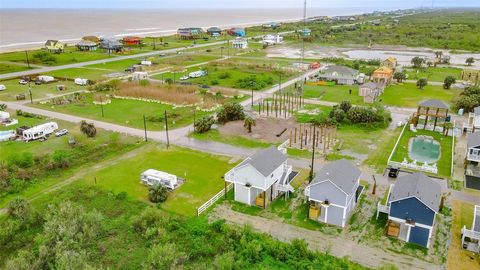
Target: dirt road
x=334 y=245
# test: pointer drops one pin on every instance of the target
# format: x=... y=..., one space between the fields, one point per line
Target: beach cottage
x=237 y=32
x=87 y=45
x=214 y=31
x=371 y=91
x=339 y=75
x=240 y=43
x=383 y=75
x=334 y=192
x=261 y=178
x=130 y=41
x=472 y=161
x=189 y=33
x=111 y=45
x=471 y=237
x=55 y=46
x=390 y=62
x=412 y=204
x=272 y=39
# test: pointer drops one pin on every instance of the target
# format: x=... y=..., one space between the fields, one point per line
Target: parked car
x=393 y=172
x=162 y=54
x=184 y=78
x=22 y=82
x=61 y=133
x=3 y=87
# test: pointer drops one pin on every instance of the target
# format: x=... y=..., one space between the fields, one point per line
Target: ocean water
x=23 y=28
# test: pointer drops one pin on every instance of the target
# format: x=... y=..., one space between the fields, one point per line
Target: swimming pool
x=424 y=149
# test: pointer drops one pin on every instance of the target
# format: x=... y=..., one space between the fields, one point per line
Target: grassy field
x=444 y=163
x=202 y=173
x=8 y=68
x=458 y=258
x=214 y=135
x=38 y=91
x=128 y=113
x=434 y=74
x=337 y=93
x=408 y=95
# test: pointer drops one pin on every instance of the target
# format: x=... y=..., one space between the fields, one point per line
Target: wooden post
x=267 y=108
x=301 y=139
x=374 y=185
x=306 y=137
x=264 y=199
x=259 y=107
x=313 y=157
x=225 y=189
x=436 y=117
x=295 y=137
x=166 y=129
x=145 y=127
x=426 y=118
x=290 y=142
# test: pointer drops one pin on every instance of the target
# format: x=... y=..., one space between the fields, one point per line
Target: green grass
x=70 y=56
x=434 y=74
x=38 y=91
x=128 y=113
x=115 y=66
x=93 y=74
x=408 y=95
x=202 y=172
x=443 y=164
x=214 y=135
x=337 y=93
x=384 y=145
x=9 y=68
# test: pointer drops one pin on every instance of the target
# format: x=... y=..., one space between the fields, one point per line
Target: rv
x=45 y=79
x=40 y=131
x=80 y=81
x=153 y=177
x=197 y=74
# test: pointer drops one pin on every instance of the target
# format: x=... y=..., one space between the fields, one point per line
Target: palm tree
x=417 y=62
x=470 y=61
x=157 y=193
x=446 y=127
x=422 y=83
x=88 y=129
x=248 y=123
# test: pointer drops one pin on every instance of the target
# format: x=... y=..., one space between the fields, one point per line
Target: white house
x=40 y=131
x=472 y=160
x=240 y=43
x=153 y=177
x=139 y=75
x=272 y=39
x=334 y=192
x=471 y=238
x=261 y=178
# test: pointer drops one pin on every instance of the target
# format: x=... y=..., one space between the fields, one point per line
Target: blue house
x=237 y=32
x=412 y=204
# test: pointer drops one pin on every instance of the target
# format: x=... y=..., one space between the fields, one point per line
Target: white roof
x=41 y=127
x=159 y=174
x=4 y=115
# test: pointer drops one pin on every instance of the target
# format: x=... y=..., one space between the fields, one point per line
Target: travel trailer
x=153 y=177
x=40 y=131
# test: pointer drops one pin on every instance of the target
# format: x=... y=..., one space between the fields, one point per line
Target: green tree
x=449 y=80
x=421 y=83
x=399 y=76
x=203 y=124
x=157 y=193
x=417 y=62
x=248 y=123
x=19 y=208
x=447 y=126
x=88 y=129
x=230 y=111
x=470 y=61
x=345 y=105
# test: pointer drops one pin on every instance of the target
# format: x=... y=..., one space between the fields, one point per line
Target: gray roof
x=476 y=224
x=345 y=71
x=266 y=160
x=373 y=85
x=473 y=140
x=476 y=110
x=434 y=103
x=86 y=43
x=341 y=172
x=419 y=185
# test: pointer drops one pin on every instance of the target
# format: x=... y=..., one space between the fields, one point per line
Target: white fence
x=213 y=200
x=414 y=166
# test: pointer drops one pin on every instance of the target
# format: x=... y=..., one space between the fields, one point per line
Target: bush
x=28 y=115
x=468 y=99
x=44 y=57
x=157 y=193
x=230 y=111
x=449 y=80
x=338 y=114
x=224 y=75
x=62 y=159
x=155 y=118
x=3 y=107
x=19 y=208
x=23 y=160
x=203 y=124
x=214 y=82
x=345 y=106
x=88 y=129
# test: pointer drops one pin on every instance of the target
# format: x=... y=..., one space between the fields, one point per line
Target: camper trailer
x=45 y=79
x=80 y=81
x=153 y=177
x=198 y=74
x=40 y=131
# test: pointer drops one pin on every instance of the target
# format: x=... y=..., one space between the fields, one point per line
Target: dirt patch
x=266 y=129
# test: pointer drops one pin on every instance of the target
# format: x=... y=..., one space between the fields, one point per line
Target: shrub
x=224 y=75
x=19 y=208
x=144 y=83
x=345 y=106
x=28 y=115
x=203 y=124
x=249 y=123
x=88 y=129
x=3 y=107
x=468 y=99
x=449 y=80
x=157 y=193
x=214 y=82
x=230 y=111
x=338 y=114
x=155 y=118
x=23 y=160
x=44 y=57
x=62 y=159
x=421 y=83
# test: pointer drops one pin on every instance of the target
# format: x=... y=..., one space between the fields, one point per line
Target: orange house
x=390 y=63
x=382 y=75
x=132 y=41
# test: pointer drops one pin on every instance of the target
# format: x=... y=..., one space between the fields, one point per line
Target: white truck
x=40 y=131
x=152 y=177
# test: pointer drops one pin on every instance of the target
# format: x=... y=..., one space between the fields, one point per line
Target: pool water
x=424 y=150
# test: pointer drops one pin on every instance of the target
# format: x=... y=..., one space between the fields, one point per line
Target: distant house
x=237 y=32
x=383 y=75
x=261 y=178
x=92 y=39
x=334 y=192
x=189 y=33
x=471 y=237
x=305 y=32
x=472 y=160
x=390 y=63
x=272 y=25
x=87 y=45
x=471 y=75
x=272 y=39
x=129 y=41
x=55 y=46
x=339 y=74
x=376 y=22
x=240 y=43
x=111 y=45
x=412 y=204
x=214 y=31
x=371 y=91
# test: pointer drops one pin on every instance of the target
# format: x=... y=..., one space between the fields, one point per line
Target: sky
x=383 y=4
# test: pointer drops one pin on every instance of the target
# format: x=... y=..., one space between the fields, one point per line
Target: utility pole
x=101 y=105
x=30 y=91
x=174 y=73
x=28 y=61
x=221 y=51
x=166 y=129
x=313 y=155
x=194 y=120
x=145 y=127
x=252 y=97
x=279 y=82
